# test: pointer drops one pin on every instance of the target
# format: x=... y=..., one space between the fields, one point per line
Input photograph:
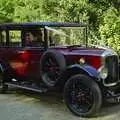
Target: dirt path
x=32 y=106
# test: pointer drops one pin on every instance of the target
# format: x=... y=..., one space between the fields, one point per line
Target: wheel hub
x=81 y=97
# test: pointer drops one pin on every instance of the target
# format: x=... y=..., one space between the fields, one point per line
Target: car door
x=10 y=51
x=34 y=48
x=32 y=56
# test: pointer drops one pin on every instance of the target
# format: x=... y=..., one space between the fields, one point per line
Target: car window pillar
x=7 y=37
x=0 y=37
x=86 y=36
x=45 y=38
x=22 y=38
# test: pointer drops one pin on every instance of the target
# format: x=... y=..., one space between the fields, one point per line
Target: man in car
x=33 y=38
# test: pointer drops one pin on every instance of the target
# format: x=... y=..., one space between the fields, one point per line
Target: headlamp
x=103 y=72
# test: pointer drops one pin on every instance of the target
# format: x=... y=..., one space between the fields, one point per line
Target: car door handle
x=22 y=51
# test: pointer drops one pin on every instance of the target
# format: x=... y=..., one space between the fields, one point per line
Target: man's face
x=29 y=37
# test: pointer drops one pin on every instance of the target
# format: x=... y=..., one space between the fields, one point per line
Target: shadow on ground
x=54 y=101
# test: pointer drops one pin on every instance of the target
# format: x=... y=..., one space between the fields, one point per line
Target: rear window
x=15 y=38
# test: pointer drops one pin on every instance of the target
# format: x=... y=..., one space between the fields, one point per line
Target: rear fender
x=4 y=69
x=3 y=66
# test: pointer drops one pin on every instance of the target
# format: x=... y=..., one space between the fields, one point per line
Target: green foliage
x=103 y=16
x=27 y=11
x=73 y=11
x=110 y=29
x=6 y=10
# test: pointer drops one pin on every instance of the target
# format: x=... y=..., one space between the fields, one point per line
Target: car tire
x=50 y=74
x=3 y=87
x=86 y=99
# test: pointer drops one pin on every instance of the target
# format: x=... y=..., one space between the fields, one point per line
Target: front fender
x=85 y=69
x=77 y=69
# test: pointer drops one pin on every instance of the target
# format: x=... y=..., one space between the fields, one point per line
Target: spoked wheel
x=82 y=95
x=52 y=64
x=51 y=70
x=3 y=87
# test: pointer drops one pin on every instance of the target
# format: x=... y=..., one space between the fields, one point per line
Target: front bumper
x=113 y=96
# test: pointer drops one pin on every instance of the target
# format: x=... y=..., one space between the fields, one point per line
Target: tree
x=110 y=29
x=7 y=10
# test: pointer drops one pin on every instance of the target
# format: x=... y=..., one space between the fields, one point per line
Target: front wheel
x=82 y=95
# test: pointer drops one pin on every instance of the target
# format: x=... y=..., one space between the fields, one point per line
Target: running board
x=35 y=89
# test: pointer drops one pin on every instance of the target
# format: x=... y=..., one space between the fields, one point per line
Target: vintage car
x=50 y=56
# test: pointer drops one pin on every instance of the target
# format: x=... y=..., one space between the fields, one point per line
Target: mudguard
x=3 y=67
x=77 y=69
x=86 y=69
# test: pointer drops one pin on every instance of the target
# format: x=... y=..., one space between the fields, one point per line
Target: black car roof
x=39 y=24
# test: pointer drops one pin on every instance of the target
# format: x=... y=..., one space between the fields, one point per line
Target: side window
x=15 y=38
x=34 y=38
x=2 y=38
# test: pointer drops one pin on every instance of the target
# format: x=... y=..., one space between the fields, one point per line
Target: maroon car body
x=29 y=60
x=43 y=66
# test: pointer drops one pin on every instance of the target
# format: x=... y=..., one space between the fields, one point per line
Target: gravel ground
x=24 y=105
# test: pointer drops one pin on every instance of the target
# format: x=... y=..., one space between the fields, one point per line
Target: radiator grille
x=111 y=62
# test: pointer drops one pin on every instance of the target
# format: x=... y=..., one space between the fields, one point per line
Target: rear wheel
x=3 y=87
x=82 y=95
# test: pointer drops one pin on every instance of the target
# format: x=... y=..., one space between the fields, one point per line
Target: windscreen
x=66 y=36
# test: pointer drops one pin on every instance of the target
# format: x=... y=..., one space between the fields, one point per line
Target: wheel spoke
x=51 y=69
x=80 y=96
